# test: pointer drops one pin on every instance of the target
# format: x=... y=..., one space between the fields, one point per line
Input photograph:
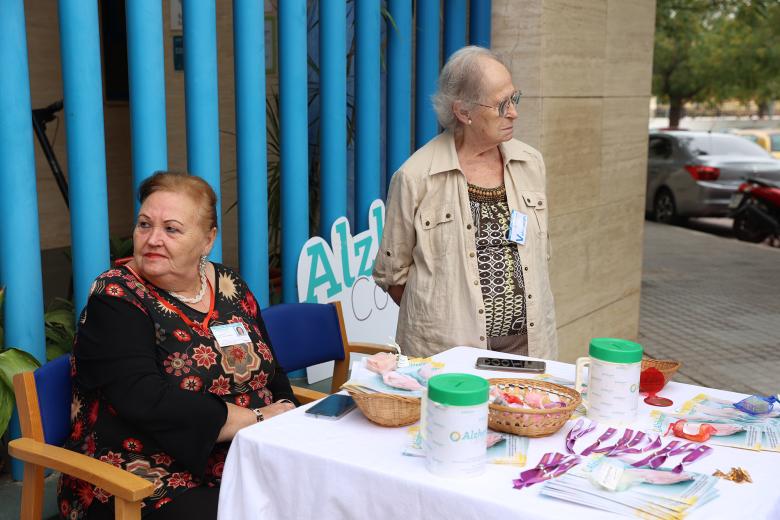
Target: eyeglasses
x=503 y=105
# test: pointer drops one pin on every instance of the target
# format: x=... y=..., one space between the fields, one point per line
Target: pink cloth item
x=401 y=381
x=381 y=362
x=535 y=399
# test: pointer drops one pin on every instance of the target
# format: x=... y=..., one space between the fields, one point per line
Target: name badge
x=517 y=227
x=230 y=334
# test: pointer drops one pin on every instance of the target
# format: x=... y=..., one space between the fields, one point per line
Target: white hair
x=460 y=80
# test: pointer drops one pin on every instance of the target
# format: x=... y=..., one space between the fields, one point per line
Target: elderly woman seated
x=171 y=359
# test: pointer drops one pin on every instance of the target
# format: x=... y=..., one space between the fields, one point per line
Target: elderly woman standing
x=465 y=245
x=171 y=359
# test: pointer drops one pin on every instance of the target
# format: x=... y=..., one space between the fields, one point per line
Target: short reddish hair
x=191 y=185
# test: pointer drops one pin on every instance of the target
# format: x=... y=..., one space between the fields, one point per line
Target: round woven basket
x=388 y=409
x=666 y=366
x=531 y=422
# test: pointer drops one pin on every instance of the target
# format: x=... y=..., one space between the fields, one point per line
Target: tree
x=680 y=48
x=751 y=67
x=698 y=44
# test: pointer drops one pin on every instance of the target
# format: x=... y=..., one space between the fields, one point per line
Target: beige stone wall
x=585 y=69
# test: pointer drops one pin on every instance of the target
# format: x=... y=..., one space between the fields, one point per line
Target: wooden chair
x=305 y=334
x=43 y=399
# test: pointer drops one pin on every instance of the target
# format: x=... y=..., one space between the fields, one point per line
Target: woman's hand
x=238 y=417
x=277 y=408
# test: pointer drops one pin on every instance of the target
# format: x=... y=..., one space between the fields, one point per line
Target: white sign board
x=341 y=271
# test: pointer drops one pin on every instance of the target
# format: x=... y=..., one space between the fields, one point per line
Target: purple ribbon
x=654 y=460
x=631 y=449
x=674 y=448
x=628 y=443
x=593 y=447
x=550 y=466
x=575 y=433
x=619 y=445
x=694 y=455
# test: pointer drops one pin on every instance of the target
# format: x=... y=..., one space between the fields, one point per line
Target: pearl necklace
x=198 y=297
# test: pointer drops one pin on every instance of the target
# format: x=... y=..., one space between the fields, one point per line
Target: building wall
x=585 y=70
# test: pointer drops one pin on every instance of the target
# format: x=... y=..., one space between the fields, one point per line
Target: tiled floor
x=713 y=303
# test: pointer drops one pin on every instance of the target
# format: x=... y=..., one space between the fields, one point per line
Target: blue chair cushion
x=304 y=334
x=53 y=384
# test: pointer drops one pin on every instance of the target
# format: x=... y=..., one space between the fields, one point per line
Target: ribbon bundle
x=550 y=466
x=631 y=442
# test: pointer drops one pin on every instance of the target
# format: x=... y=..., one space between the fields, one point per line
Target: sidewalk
x=712 y=303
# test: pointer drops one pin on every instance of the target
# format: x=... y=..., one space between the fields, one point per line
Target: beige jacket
x=428 y=244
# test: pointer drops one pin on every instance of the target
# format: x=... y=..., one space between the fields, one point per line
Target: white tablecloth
x=299 y=467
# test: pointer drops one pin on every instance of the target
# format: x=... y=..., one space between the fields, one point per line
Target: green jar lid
x=458 y=389
x=615 y=350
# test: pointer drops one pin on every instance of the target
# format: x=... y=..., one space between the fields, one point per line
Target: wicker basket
x=531 y=422
x=388 y=409
x=666 y=366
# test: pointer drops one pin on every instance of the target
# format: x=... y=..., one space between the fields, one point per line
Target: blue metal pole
x=367 y=109
x=146 y=74
x=480 y=22
x=426 y=71
x=252 y=163
x=201 y=99
x=294 y=140
x=82 y=87
x=454 y=26
x=20 y=254
x=333 y=113
x=399 y=85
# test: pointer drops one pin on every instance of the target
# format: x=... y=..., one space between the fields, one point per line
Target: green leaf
x=2 y=332
x=12 y=362
x=6 y=406
x=62 y=317
x=56 y=350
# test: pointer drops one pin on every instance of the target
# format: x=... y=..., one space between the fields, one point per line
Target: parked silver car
x=693 y=174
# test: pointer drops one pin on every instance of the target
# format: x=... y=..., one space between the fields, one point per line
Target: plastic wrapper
x=615 y=475
x=756 y=405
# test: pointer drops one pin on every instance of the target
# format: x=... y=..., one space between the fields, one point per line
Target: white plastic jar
x=613 y=380
x=455 y=425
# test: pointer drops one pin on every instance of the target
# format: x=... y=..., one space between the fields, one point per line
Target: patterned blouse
x=150 y=387
x=498 y=261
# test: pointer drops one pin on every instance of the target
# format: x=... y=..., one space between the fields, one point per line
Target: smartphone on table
x=511 y=365
x=332 y=407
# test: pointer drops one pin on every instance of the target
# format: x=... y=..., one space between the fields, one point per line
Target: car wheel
x=664 y=208
x=748 y=230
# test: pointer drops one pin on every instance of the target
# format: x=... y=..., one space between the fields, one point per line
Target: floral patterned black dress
x=150 y=387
